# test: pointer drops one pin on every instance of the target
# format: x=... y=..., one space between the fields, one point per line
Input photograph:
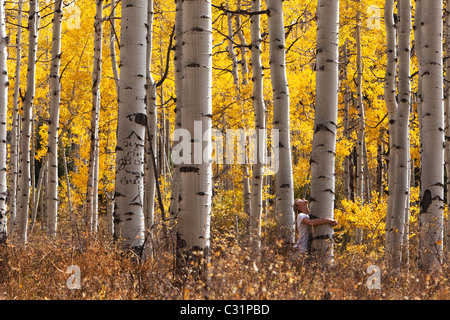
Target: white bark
x=112 y=45
x=14 y=148
x=260 y=126
x=129 y=191
x=284 y=185
x=432 y=165
x=391 y=105
x=152 y=123
x=55 y=98
x=193 y=234
x=347 y=97
x=3 y=116
x=230 y=49
x=402 y=172
x=447 y=114
x=361 y=136
x=243 y=43
x=92 y=183
x=178 y=65
x=418 y=51
x=24 y=179
x=325 y=127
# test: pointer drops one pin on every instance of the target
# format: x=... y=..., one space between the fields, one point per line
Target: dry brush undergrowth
x=38 y=271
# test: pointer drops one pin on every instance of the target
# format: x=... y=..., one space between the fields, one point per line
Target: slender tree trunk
x=361 y=137
x=55 y=98
x=447 y=114
x=243 y=43
x=37 y=198
x=178 y=65
x=402 y=188
x=24 y=179
x=432 y=165
x=230 y=49
x=325 y=127
x=14 y=151
x=260 y=128
x=346 y=162
x=112 y=45
x=193 y=234
x=418 y=50
x=66 y=173
x=92 y=185
x=391 y=104
x=284 y=185
x=152 y=123
x=132 y=121
x=4 y=83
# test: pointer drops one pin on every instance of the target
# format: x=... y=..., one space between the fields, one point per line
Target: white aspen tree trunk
x=243 y=48
x=112 y=45
x=284 y=185
x=235 y=73
x=346 y=162
x=66 y=173
x=92 y=184
x=402 y=188
x=360 y=174
x=24 y=178
x=14 y=151
x=260 y=129
x=193 y=234
x=4 y=83
x=325 y=127
x=230 y=49
x=152 y=123
x=178 y=66
x=432 y=165
x=37 y=198
x=418 y=50
x=161 y=151
x=53 y=126
x=132 y=121
x=391 y=105
x=447 y=114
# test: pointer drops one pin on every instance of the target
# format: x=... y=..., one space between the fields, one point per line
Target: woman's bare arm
x=318 y=222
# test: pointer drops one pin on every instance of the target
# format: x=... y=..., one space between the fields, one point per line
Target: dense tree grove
x=172 y=126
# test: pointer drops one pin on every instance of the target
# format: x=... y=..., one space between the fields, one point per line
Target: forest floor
x=39 y=271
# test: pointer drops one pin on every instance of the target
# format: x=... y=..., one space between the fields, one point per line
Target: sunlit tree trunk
x=325 y=127
x=92 y=185
x=112 y=45
x=55 y=98
x=418 y=51
x=361 y=136
x=152 y=123
x=391 y=105
x=432 y=164
x=402 y=188
x=3 y=116
x=347 y=97
x=260 y=128
x=447 y=114
x=178 y=66
x=14 y=148
x=132 y=121
x=193 y=233
x=284 y=185
x=243 y=43
x=24 y=179
x=230 y=49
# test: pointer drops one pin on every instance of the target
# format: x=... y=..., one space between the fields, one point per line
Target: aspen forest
x=161 y=150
